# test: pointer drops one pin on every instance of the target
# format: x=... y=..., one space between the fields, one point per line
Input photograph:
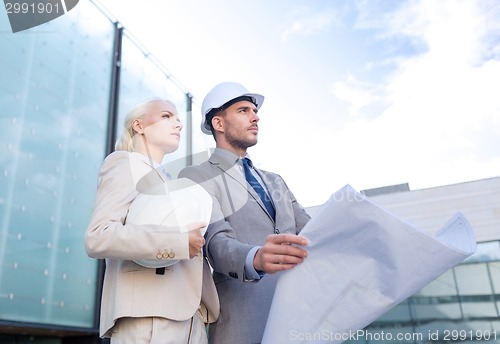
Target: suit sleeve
x=107 y=235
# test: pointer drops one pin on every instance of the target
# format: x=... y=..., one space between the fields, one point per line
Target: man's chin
x=253 y=142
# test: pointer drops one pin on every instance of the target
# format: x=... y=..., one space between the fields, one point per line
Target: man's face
x=239 y=125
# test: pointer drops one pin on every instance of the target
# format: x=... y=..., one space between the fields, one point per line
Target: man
x=255 y=218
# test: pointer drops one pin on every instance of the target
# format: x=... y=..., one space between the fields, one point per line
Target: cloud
x=305 y=23
x=467 y=26
x=454 y=78
x=360 y=95
x=440 y=121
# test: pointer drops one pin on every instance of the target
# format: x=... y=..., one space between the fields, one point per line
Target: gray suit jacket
x=240 y=222
x=131 y=290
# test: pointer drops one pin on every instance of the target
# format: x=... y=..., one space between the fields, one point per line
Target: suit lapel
x=229 y=166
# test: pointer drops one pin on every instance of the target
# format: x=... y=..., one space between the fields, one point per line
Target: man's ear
x=218 y=123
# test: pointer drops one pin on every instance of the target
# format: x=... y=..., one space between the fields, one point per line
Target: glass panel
x=143 y=78
x=479 y=309
x=437 y=300
x=400 y=313
x=201 y=142
x=444 y=285
x=54 y=107
x=494 y=269
x=473 y=279
x=437 y=311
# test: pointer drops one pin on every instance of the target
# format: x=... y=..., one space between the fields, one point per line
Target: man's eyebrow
x=243 y=107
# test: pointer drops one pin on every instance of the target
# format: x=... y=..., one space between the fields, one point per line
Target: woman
x=140 y=304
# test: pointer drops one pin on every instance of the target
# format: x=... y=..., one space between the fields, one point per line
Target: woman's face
x=162 y=127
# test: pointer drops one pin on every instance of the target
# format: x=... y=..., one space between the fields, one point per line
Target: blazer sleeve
x=107 y=235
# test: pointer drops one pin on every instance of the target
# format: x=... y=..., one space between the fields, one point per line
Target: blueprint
x=363 y=260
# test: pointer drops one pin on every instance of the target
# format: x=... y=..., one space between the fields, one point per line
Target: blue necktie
x=247 y=164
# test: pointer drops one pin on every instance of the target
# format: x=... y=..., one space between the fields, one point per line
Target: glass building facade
x=55 y=91
x=64 y=87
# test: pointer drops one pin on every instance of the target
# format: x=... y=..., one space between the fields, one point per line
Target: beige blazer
x=131 y=290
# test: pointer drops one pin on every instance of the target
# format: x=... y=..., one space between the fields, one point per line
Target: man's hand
x=279 y=254
x=196 y=240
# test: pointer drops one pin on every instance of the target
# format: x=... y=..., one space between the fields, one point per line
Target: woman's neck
x=140 y=146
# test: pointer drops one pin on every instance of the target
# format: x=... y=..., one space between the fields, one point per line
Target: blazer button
x=171 y=255
x=159 y=255
x=165 y=255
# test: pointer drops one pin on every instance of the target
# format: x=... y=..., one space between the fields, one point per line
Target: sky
x=369 y=93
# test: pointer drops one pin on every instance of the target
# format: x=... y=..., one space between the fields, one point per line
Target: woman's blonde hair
x=125 y=142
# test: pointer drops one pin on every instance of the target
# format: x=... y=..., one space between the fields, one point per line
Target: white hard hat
x=222 y=94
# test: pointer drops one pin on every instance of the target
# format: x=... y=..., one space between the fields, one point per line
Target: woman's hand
x=196 y=240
